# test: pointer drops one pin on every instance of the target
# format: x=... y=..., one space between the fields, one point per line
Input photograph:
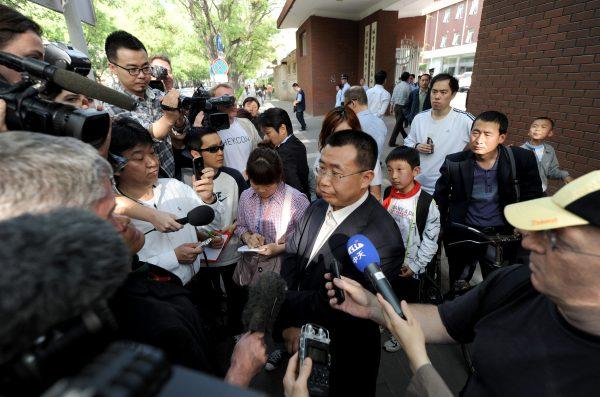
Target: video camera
x=159 y=74
x=26 y=110
x=201 y=101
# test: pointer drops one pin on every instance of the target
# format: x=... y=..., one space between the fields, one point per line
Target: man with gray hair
x=240 y=138
x=40 y=172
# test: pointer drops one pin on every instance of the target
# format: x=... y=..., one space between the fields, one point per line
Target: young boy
x=541 y=129
x=418 y=218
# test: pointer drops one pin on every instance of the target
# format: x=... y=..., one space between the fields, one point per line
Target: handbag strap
x=513 y=174
x=286 y=213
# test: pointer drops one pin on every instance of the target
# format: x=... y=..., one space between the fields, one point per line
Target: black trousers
x=463 y=258
x=300 y=117
x=406 y=288
x=399 y=127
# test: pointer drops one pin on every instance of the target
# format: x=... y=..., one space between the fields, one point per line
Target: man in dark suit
x=346 y=208
x=476 y=185
x=276 y=126
x=419 y=99
x=300 y=105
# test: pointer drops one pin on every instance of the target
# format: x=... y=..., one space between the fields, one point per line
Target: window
x=459 y=11
x=447 y=15
x=456 y=39
x=303 y=46
x=474 y=6
x=469 y=38
x=443 y=41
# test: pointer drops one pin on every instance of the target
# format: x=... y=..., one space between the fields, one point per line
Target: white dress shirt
x=379 y=100
x=332 y=220
x=401 y=92
x=177 y=198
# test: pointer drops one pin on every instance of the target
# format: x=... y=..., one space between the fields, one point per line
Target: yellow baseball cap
x=577 y=203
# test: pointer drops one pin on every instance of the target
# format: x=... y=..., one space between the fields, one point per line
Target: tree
x=246 y=29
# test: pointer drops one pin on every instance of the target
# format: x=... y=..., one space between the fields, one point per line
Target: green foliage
x=184 y=30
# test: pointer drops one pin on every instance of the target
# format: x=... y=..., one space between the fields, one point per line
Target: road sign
x=219 y=66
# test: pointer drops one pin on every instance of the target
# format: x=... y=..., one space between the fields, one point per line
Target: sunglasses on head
x=213 y=149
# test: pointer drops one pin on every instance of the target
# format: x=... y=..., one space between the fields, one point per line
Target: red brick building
x=540 y=57
x=355 y=37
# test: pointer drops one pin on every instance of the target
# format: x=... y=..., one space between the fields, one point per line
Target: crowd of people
x=533 y=323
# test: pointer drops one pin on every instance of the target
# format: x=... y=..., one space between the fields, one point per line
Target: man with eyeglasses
x=533 y=330
x=128 y=61
x=346 y=208
x=228 y=185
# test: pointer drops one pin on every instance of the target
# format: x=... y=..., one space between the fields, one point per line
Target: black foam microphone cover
x=265 y=298
x=200 y=216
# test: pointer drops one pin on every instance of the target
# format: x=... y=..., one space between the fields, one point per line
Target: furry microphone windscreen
x=54 y=266
x=264 y=302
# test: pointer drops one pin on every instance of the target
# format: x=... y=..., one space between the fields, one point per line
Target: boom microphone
x=365 y=258
x=199 y=216
x=264 y=302
x=55 y=266
x=67 y=80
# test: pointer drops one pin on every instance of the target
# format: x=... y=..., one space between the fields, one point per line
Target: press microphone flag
x=366 y=259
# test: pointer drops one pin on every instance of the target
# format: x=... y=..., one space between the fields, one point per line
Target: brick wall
x=332 y=50
x=542 y=57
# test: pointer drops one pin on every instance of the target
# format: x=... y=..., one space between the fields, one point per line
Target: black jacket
x=355 y=343
x=162 y=314
x=295 y=164
x=411 y=107
x=453 y=195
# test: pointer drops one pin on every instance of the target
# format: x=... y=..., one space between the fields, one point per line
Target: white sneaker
x=391 y=345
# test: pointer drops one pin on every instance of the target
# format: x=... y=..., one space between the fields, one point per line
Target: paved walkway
x=394 y=370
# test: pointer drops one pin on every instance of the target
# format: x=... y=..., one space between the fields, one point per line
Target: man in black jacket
x=476 y=185
x=419 y=99
x=276 y=126
x=300 y=105
x=346 y=208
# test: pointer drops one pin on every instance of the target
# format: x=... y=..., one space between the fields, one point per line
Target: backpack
x=423 y=204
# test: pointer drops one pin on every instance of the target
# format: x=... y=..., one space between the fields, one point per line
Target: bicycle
x=493 y=259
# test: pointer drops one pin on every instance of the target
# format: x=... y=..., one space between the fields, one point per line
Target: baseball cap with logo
x=577 y=203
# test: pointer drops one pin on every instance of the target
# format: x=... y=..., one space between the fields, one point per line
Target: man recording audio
x=343 y=177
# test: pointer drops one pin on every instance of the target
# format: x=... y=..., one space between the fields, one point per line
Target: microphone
x=67 y=80
x=265 y=298
x=199 y=216
x=56 y=266
x=366 y=259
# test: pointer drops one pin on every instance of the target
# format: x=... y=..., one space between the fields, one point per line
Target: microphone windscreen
x=201 y=215
x=362 y=251
x=55 y=266
x=74 y=82
x=265 y=298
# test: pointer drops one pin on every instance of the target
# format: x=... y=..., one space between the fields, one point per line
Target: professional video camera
x=27 y=111
x=202 y=102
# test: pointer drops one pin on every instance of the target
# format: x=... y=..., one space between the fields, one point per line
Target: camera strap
x=168 y=108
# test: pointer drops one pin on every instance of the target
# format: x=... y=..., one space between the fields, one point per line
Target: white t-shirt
x=238 y=146
x=449 y=135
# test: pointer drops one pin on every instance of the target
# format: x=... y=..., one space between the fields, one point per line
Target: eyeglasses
x=335 y=176
x=553 y=239
x=213 y=149
x=135 y=71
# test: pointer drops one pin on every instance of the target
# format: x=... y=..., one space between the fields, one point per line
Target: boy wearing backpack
x=418 y=218
x=473 y=189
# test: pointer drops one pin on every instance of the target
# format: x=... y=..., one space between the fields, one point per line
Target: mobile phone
x=335 y=270
x=198 y=166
